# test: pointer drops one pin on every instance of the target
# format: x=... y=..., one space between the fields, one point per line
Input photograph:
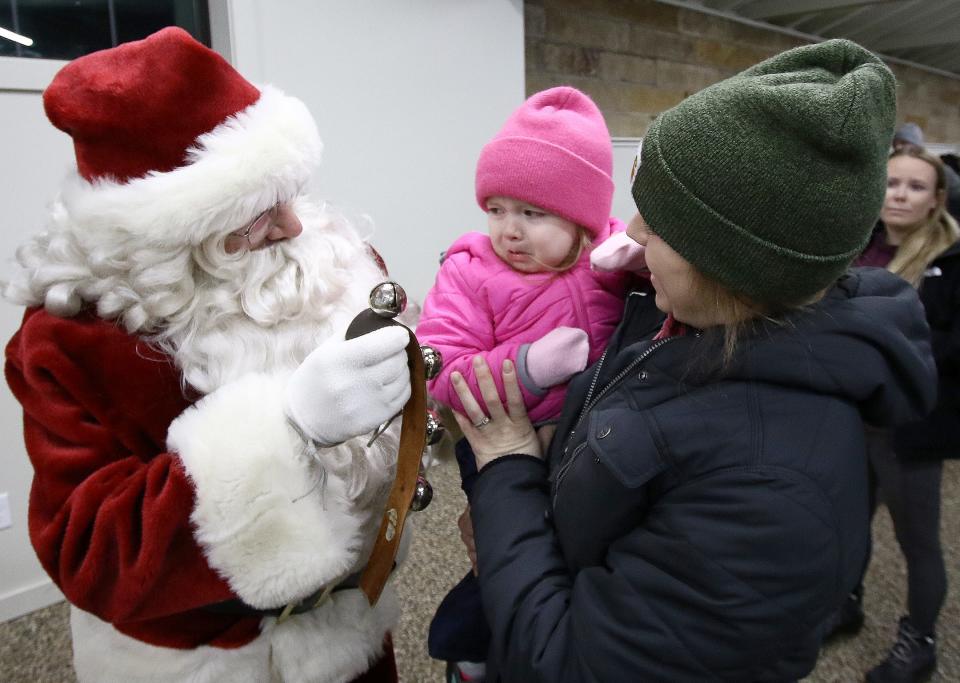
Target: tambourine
x=420 y=428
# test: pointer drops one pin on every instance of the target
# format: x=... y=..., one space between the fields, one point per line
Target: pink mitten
x=557 y=356
x=619 y=252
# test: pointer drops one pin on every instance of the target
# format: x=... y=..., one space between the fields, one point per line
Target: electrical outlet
x=5 y=521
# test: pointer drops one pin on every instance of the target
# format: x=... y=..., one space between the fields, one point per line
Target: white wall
x=405 y=95
x=34 y=155
x=624 y=151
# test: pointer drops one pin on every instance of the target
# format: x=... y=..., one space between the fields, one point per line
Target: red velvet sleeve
x=109 y=512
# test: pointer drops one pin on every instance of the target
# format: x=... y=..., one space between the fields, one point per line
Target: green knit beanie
x=771 y=180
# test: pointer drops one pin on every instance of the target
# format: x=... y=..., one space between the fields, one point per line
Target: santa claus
x=191 y=408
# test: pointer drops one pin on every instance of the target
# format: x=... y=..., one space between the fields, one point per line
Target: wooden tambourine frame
x=413 y=437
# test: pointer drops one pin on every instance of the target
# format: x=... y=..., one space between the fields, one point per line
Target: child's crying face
x=528 y=238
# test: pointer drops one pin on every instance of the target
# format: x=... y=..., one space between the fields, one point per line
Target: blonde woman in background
x=917 y=240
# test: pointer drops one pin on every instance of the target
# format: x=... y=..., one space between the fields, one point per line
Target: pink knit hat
x=553 y=152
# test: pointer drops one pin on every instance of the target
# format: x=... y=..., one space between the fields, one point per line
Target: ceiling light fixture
x=15 y=37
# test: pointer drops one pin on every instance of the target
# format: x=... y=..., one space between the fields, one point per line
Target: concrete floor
x=36 y=648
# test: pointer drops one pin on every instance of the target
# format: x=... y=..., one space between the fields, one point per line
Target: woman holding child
x=703 y=504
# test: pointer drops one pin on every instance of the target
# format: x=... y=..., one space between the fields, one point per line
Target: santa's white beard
x=218 y=315
x=265 y=310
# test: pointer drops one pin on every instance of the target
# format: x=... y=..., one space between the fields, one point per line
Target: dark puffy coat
x=938 y=435
x=695 y=529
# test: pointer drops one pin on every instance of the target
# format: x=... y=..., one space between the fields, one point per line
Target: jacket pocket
x=625 y=442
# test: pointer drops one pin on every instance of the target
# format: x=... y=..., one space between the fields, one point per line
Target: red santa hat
x=173 y=144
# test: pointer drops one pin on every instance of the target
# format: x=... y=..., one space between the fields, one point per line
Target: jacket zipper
x=576 y=295
x=561 y=473
x=590 y=402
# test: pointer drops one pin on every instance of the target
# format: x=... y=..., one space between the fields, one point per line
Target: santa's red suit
x=152 y=371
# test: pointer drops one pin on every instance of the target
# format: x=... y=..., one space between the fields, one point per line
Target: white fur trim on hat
x=261 y=155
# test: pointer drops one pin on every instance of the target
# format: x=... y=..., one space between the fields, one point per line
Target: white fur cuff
x=263 y=520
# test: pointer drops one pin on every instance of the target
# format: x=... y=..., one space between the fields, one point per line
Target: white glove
x=345 y=388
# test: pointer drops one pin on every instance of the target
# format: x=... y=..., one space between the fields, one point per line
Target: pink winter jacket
x=480 y=305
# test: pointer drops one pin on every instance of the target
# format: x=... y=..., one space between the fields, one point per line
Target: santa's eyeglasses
x=256 y=230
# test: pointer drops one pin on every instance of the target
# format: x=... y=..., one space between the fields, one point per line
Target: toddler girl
x=526 y=291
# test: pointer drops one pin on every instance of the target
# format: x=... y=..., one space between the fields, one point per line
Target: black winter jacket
x=689 y=529
x=938 y=435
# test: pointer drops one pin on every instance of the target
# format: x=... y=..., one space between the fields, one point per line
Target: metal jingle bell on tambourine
x=432 y=361
x=422 y=494
x=409 y=490
x=435 y=428
x=388 y=299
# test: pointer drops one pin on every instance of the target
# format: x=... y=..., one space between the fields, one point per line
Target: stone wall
x=639 y=57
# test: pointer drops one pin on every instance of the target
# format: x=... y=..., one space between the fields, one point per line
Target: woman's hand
x=506 y=430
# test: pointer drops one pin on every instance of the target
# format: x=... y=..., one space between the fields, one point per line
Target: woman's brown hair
x=738 y=312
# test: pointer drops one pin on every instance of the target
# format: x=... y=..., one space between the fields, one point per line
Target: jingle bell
x=388 y=299
x=432 y=361
x=422 y=494
x=435 y=428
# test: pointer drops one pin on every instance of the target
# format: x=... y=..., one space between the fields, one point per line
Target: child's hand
x=619 y=252
x=557 y=356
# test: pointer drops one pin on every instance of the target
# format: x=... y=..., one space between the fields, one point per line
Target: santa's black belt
x=239 y=608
